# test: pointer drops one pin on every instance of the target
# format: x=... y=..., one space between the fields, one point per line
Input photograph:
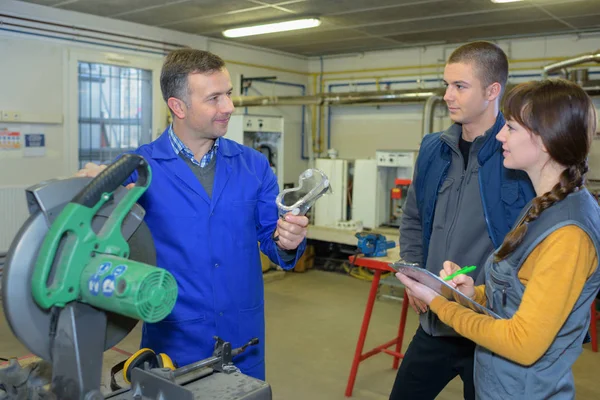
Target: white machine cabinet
x=333 y=207
x=373 y=181
x=263 y=133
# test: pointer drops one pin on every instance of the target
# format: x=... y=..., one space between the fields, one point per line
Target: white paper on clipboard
x=436 y=283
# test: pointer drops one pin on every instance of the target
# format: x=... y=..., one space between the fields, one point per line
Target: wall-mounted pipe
x=428 y=113
x=254 y=101
x=430 y=97
x=388 y=96
x=548 y=69
x=418 y=98
x=303 y=121
x=592 y=88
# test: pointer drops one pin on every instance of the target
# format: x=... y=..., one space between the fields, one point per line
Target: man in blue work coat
x=209 y=203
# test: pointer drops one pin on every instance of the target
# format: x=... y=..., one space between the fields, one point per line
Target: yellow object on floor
x=265 y=262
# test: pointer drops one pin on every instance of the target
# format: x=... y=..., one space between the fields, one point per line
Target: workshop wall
x=38 y=76
x=37 y=79
x=358 y=131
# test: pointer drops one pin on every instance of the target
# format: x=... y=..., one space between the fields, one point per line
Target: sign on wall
x=10 y=140
x=35 y=145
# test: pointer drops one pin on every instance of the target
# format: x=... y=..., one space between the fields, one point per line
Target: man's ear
x=493 y=91
x=177 y=106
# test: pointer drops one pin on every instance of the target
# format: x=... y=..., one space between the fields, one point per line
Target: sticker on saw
x=119 y=270
x=94 y=284
x=104 y=268
x=108 y=286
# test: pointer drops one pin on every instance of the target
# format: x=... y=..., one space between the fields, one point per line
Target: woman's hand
x=463 y=283
x=417 y=290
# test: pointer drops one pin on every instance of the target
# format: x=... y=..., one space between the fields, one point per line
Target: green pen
x=461 y=271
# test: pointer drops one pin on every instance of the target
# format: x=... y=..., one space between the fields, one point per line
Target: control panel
x=262 y=124
x=392 y=158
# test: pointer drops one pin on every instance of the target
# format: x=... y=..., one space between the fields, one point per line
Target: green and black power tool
x=79 y=276
x=76 y=264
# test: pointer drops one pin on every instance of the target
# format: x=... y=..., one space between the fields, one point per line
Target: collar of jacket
x=162 y=149
x=489 y=147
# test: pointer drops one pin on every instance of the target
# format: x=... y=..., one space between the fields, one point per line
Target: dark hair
x=563 y=116
x=179 y=64
x=489 y=60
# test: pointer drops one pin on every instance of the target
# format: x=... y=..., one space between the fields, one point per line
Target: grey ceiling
x=350 y=26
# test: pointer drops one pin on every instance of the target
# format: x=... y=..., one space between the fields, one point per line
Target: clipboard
x=438 y=285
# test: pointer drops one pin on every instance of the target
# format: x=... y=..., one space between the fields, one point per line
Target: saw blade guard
x=29 y=322
x=73 y=257
x=312 y=184
x=73 y=260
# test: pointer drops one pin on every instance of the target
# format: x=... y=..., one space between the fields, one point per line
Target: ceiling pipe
x=70 y=28
x=429 y=97
x=592 y=88
x=548 y=69
x=332 y=99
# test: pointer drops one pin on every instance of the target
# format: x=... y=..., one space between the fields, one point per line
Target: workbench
x=378 y=265
x=346 y=236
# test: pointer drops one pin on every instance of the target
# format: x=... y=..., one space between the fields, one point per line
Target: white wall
x=38 y=77
x=357 y=131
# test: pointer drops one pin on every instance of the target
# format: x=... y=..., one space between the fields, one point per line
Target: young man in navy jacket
x=460 y=206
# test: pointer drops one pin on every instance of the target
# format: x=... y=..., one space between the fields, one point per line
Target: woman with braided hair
x=544 y=277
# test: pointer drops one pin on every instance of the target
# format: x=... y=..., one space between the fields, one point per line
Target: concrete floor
x=313 y=320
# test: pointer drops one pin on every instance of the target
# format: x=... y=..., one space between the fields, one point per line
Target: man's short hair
x=489 y=61
x=179 y=64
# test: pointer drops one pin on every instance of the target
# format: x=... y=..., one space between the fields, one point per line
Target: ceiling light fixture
x=271 y=28
x=505 y=1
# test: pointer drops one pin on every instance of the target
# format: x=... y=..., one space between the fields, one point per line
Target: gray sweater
x=459 y=229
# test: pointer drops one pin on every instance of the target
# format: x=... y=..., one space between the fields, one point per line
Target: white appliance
x=373 y=182
x=263 y=133
x=333 y=207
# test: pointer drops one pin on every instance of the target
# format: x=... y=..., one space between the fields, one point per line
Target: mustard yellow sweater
x=553 y=275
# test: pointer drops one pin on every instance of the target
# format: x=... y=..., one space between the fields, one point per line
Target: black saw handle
x=111 y=178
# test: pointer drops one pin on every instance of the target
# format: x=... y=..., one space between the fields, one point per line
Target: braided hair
x=563 y=116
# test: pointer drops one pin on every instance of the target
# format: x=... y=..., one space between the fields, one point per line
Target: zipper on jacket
x=459 y=186
x=454 y=214
x=505 y=287
x=485 y=211
x=458 y=189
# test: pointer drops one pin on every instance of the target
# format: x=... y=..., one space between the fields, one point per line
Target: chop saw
x=79 y=276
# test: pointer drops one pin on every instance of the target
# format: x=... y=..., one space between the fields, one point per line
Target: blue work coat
x=210 y=246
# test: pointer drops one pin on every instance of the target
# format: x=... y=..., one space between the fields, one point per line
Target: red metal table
x=378 y=265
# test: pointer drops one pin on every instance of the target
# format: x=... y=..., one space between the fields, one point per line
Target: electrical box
x=263 y=133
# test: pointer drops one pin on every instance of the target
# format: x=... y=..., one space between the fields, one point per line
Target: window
x=115 y=111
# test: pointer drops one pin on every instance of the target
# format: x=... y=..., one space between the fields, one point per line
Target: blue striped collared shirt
x=180 y=147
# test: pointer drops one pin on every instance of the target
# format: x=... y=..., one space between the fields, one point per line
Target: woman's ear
x=538 y=140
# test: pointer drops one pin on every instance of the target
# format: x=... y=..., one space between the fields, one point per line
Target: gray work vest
x=550 y=377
